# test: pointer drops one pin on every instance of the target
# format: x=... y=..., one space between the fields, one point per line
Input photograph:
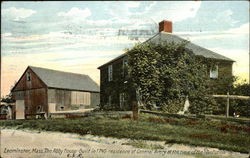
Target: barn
x=42 y=91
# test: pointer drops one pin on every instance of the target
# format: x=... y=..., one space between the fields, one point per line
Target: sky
x=80 y=36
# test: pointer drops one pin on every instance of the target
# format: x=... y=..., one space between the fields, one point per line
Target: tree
x=8 y=99
x=241 y=106
x=166 y=73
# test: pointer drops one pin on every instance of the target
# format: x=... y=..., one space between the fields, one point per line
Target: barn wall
x=65 y=100
x=35 y=100
x=61 y=99
x=24 y=84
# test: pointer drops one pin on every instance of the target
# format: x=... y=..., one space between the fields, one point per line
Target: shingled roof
x=65 y=80
x=163 y=37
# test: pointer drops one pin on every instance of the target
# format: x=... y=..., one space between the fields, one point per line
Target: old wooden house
x=45 y=91
x=113 y=76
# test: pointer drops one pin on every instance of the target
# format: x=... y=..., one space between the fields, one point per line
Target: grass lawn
x=228 y=135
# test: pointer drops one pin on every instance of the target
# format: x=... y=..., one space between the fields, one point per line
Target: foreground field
x=31 y=143
x=220 y=134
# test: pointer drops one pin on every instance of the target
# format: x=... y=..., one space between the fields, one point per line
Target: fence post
x=227 y=108
x=135 y=110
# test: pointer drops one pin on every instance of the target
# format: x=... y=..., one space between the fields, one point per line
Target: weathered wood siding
x=65 y=100
x=62 y=99
x=115 y=87
x=35 y=100
x=23 y=84
x=33 y=92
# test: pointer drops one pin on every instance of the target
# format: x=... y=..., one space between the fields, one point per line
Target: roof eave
x=115 y=59
x=74 y=89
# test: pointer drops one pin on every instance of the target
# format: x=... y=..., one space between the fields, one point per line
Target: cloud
x=16 y=14
x=75 y=14
x=76 y=40
x=132 y=4
x=176 y=11
x=63 y=41
x=225 y=17
x=243 y=29
x=7 y=34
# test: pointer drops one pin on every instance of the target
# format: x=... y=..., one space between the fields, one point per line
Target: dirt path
x=24 y=143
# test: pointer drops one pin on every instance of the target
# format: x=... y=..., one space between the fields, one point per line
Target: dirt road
x=25 y=143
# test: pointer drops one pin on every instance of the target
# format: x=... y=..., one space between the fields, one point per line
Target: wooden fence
x=231 y=97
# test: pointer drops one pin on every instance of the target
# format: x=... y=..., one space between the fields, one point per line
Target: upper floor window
x=28 y=77
x=110 y=72
x=125 y=61
x=124 y=68
x=214 y=71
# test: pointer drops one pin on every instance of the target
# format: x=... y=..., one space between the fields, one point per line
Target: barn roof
x=163 y=37
x=65 y=80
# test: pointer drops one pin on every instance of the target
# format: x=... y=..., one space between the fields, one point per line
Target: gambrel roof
x=163 y=37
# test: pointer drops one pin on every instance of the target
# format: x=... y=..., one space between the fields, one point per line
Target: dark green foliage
x=222 y=85
x=165 y=73
x=241 y=106
x=235 y=105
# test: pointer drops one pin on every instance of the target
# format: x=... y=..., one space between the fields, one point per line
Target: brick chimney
x=165 y=26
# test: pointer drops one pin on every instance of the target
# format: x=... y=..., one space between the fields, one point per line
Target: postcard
x=126 y=79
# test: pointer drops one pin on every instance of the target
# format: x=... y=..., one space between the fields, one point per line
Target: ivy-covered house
x=114 y=87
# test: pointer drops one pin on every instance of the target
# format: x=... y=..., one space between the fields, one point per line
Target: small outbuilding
x=45 y=91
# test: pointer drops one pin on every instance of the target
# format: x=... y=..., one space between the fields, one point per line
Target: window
x=28 y=77
x=124 y=64
x=214 y=71
x=110 y=72
x=122 y=100
x=125 y=61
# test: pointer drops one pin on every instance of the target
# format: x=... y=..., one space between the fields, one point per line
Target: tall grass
x=211 y=133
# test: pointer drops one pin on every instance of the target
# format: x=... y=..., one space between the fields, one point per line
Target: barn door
x=20 y=109
x=52 y=107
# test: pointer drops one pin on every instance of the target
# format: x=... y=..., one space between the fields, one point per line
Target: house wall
x=115 y=87
x=95 y=99
x=225 y=69
x=225 y=72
